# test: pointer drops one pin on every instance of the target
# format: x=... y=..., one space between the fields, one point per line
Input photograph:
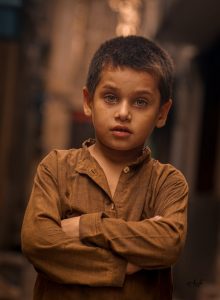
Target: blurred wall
x=45 y=49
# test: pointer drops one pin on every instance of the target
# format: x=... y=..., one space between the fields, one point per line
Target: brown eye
x=140 y=102
x=110 y=98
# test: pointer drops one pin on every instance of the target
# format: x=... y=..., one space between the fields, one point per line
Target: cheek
x=99 y=121
x=147 y=124
x=101 y=114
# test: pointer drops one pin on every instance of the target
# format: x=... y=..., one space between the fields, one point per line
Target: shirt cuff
x=118 y=271
x=90 y=230
x=90 y=233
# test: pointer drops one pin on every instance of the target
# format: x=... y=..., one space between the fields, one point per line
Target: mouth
x=121 y=131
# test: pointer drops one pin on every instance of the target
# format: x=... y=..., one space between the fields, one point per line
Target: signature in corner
x=195 y=283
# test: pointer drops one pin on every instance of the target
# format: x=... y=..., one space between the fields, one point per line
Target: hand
x=131 y=268
x=71 y=226
x=156 y=218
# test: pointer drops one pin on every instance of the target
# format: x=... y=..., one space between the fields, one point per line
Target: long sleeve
x=51 y=251
x=147 y=243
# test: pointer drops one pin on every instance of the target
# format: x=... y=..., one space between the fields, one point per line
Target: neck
x=117 y=157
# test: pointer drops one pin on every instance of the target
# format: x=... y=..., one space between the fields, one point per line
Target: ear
x=87 y=103
x=164 y=110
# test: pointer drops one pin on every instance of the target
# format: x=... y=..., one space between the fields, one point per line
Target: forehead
x=129 y=78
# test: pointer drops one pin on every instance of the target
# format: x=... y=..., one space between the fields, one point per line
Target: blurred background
x=45 y=49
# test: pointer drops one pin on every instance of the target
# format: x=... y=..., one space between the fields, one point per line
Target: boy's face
x=125 y=108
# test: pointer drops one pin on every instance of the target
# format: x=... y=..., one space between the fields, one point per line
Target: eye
x=140 y=102
x=110 y=98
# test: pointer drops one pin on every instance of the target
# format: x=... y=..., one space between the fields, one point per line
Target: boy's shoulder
x=160 y=167
x=63 y=158
x=68 y=156
x=163 y=173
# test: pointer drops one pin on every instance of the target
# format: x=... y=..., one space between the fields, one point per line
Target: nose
x=123 y=112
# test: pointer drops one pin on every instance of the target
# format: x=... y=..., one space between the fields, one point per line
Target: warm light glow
x=128 y=16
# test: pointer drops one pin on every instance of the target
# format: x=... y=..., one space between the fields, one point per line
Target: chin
x=126 y=148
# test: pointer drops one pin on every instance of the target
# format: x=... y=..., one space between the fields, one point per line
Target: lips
x=121 y=129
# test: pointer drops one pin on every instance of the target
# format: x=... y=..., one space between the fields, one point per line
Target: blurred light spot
x=128 y=16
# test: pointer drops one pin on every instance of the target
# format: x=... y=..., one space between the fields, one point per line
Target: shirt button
x=126 y=170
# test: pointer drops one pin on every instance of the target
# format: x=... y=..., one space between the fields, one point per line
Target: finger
x=156 y=218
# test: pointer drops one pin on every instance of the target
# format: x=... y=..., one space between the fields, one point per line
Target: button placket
x=112 y=206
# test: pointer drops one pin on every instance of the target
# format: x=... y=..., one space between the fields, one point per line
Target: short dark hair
x=135 y=52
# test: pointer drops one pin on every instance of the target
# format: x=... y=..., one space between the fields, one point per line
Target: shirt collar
x=144 y=157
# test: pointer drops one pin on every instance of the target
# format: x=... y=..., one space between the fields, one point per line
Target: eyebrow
x=144 y=91
x=112 y=87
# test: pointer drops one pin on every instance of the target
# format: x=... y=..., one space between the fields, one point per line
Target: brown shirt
x=113 y=231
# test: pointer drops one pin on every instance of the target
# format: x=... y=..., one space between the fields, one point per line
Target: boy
x=107 y=221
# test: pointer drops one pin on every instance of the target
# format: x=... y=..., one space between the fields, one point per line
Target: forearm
x=55 y=254
x=68 y=261
x=148 y=243
x=71 y=227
